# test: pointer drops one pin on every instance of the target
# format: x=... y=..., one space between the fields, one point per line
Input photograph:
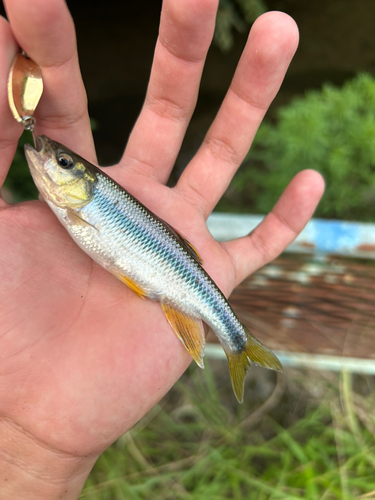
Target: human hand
x=82 y=358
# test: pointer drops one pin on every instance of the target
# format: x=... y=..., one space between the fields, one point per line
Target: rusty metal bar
x=315 y=307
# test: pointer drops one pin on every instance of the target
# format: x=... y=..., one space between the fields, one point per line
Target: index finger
x=10 y=130
x=45 y=30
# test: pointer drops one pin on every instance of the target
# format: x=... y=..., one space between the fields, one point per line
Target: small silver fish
x=144 y=252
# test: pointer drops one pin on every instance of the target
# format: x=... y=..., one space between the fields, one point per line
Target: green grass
x=298 y=435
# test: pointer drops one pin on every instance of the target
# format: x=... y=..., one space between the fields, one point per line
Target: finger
x=272 y=42
x=280 y=227
x=45 y=30
x=10 y=130
x=186 y=30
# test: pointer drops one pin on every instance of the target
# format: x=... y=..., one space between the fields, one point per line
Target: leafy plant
x=311 y=436
x=332 y=131
x=19 y=182
x=235 y=15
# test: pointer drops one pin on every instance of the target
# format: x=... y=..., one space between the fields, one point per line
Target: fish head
x=61 y=176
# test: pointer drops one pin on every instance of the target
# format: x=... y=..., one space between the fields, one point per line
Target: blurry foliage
x=19 y=182
x=302 y=435
x=235 y=15
x=332 y=131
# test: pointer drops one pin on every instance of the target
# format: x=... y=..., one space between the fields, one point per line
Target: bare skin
x=82 y=358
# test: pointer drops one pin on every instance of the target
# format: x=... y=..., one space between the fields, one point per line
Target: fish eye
x=65 y=160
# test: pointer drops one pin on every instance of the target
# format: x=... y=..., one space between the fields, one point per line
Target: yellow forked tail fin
x=239 y=362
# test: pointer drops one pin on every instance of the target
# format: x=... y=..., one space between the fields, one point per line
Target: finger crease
x=63 y=121
x=166 y=108
x=284 y=222
x=8 y=143
x=196 y=199
x=222 y=151
x=261 y=247
x=236 y=279
x=250 y=102
x=59 y=64
x=186 y=60
x=137 y=166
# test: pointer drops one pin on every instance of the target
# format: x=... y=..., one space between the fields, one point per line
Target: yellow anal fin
x=239 y=362
x=189 y=330
x=132 y=285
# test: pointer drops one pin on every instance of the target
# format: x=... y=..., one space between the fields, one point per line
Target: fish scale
x=147 y=242
x=143 y=251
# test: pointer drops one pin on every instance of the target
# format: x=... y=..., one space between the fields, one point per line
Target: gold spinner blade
x=25 y=87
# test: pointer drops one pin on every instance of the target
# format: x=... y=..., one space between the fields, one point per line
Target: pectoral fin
x=75 y=218
x=189 y=330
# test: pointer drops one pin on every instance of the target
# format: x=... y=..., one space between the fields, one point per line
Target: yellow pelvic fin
x=239 y=362
x=189 y=330
x=132 y=285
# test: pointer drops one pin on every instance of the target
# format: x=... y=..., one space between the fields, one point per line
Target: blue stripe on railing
x=356 y=239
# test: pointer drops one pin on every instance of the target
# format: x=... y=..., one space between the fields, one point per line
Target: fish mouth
x=37 y=156
x=40 y=145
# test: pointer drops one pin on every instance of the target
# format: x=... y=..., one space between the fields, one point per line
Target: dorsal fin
x=184 y=242
x=191 y=248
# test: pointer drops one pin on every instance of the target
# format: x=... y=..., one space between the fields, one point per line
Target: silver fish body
x=133 y=244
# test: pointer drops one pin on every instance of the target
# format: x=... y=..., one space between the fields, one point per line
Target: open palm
x=82 y=358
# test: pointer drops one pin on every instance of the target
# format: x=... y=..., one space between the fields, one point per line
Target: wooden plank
x=318 y=305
